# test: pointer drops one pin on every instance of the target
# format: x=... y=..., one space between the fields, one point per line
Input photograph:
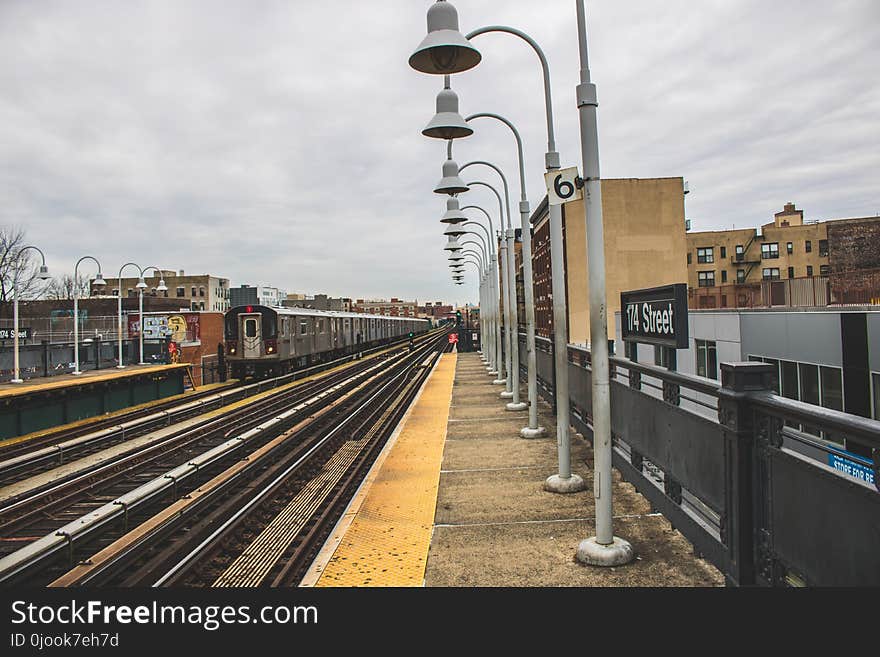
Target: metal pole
x=120 y=364
x=15 y=376
x=603 y=549
x=533 y=430
x=141 y=315
x=515 y=404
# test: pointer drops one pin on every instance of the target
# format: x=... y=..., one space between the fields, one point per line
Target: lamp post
x=140 y=285
x=442 y=52
x=483 y=275
x=43 y=274
x=160 y=288
x=447 y=123
x=493 y=274
x=99 y=280
x=508 y=313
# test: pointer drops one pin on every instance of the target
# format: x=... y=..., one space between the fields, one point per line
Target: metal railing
x=728 y=466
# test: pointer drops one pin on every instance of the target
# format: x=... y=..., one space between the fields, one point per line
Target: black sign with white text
x=9 y=334
x=656 y=315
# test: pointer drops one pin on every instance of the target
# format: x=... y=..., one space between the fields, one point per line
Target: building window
x=705 y=255
x=180 y=292
x=202 y=305
x=769 y=250
x=791 y=272
x=875 y=384
x=193 y=291
x=115 y=291
x=706 y=278
x=789 y=379
x=823 y=248
x=690 y=259
x=707 y=364
x=130 y=292
x=831 y=387
x=740 y=275
x=665 y=357
x=789 y=247
x=770 y=273
x=723 y=275
x=739 y=252
x=193 y=305
x=201 y=291
x=824 y=270
x=631 y=351
x=809 y=270
x=808 y=246
x=723 y=252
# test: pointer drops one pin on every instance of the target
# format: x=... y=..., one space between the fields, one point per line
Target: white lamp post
x=442 y=52
x=99 y=280
x=120 y=364
x=43 y=274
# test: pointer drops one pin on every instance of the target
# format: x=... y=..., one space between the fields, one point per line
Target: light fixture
x=453 y=214
x=450 y=183
x=447 y=122
x=444 y=50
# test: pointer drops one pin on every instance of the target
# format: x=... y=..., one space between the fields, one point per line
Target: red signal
x=249 y=309
x=453 y=338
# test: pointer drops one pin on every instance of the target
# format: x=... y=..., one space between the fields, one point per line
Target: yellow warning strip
x=387 y=542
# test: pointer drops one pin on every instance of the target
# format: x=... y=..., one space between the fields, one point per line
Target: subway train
x=263 y=341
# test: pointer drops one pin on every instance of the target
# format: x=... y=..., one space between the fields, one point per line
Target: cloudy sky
x=278 y=142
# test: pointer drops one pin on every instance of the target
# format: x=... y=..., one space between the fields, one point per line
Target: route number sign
x=562 y=186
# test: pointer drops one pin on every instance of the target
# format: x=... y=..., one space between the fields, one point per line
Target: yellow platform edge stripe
x=388 y=539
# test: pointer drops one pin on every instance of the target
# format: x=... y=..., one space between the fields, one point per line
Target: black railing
x=729 y=467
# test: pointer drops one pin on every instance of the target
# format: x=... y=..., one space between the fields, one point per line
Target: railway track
x=96 y=508
x=23 y=459
x=307 y=475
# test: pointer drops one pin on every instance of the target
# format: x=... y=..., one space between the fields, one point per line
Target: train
x=263 y=341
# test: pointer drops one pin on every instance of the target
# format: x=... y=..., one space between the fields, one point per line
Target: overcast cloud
x=279 y=142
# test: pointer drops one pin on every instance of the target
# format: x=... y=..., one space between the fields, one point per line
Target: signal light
x=249 y=309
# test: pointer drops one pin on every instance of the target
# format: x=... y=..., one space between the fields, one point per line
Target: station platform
x=457 y=499
x=45 y=402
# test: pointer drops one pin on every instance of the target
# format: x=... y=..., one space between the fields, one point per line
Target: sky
x=279 y=142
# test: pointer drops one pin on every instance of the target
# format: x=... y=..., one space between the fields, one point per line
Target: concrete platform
x=493 y=523
x=496 y=526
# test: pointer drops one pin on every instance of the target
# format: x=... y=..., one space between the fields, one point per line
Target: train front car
x=251 y=334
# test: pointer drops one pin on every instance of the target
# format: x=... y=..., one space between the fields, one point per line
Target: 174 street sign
x=657 y=315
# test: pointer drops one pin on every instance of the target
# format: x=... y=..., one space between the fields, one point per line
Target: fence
x=50 y=359
x=764 y=502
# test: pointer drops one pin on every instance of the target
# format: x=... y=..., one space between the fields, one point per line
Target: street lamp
x=451 y=56
x=43 y=274
x=99 y=280
x=533 y=430
x=508 y=285
x=141 y=286
x=495 y=316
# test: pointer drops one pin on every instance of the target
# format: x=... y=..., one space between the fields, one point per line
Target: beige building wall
x=787 y=227
x=644 y=245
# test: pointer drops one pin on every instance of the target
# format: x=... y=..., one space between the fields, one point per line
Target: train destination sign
x=657 y=315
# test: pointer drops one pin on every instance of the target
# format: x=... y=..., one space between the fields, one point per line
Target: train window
x=303 y=327
x=250 y=328
x=320 y=326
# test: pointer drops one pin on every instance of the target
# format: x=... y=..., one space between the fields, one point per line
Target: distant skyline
x=279 y=143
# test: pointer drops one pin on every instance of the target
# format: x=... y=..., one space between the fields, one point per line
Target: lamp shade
x=453 y=214
x=450 y=183
x=162 y=287
x=447 y=122
x=454 y=230
x=452 y=245
x=43 y=274
x=445 y=50
x=456 y=255
x=141 y=284
x=99 y=280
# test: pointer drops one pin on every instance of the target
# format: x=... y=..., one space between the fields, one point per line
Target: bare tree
x=63 y=287
x=17 y=268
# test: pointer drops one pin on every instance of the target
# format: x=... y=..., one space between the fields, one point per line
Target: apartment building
x=200 y=292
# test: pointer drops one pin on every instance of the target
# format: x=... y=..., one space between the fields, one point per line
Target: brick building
x=200 y=292
x=393 y=308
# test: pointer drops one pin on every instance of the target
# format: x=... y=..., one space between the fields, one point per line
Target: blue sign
x=852 y=468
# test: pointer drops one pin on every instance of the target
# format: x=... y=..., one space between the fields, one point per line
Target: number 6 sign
x=562 y=186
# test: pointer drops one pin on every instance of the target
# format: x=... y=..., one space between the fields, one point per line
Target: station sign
x=563 y=185
x=657 y=315
x=9 y=333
